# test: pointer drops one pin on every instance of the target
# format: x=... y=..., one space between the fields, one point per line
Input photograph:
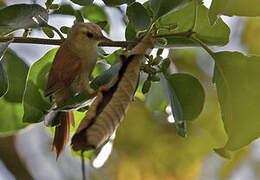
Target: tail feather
x=62 y=132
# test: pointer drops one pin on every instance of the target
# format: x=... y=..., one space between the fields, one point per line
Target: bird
x=70 y=72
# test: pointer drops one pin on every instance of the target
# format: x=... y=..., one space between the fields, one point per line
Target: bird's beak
x=105 y=40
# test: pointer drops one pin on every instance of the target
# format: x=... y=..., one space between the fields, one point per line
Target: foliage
x=180 y=23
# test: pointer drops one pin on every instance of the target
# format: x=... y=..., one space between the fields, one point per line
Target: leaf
x=233 y=8
x=106 y=77
x=3 y=75
x=64 y=29
x=217 y=34
x=82 y=2
x=2 y=5
x=96 y=14
x=138 y=15
x=17 y=71
x=141 y=135
x=34 y=103
x=238 y=87
x=117 y=2
x=251 y=36
x=22 y=16
x=3 y=79
x=65 y=9
x=48 y=31
x=223 y=153
x=48 y=3
x=114 y=57
x=187 y=98
x=54 y=6
x=3 y=48
x=162 y=7
x=230 y=165
x=162 y=99
x=79 y=17
x=130 y=32
x=11 y=108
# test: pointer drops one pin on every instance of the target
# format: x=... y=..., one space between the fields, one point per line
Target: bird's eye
x=90 y=35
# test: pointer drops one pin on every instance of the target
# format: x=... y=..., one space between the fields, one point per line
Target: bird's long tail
x=62 y=132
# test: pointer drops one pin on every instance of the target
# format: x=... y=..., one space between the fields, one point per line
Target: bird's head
x=86 y=35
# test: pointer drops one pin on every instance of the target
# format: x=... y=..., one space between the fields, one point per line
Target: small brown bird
x=70 y=71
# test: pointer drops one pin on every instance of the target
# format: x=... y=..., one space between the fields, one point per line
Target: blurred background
x=146 y=145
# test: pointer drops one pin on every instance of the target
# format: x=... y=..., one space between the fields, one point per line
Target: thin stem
x=57 y=31
x=83 y=166
x=9 y=32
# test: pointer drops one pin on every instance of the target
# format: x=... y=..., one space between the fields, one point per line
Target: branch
x=107 y=44
x=59 y=41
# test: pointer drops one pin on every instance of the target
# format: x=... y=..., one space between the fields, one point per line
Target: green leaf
x=3 y=75
x=17 y=71
x=223 y=153
x=114 y=57
x=217 y=34
x=138 y=15
x=64 y=29
x=117 y=2
x=65 y=9
x=3 y=48
x=3 y=79
x=189 y=93
x=48 y=3
x=54 y=6
x=2 y=5
x=79 y=17
x=96 y=14
x=187 y=98
x=238 y=87
x=11 y=108
x=34 y=103
x=162 y=7
x=22 y=16
x=130 y=32
x=233 y=8
x=48 y=31
x=250 y=35
x=82 y=2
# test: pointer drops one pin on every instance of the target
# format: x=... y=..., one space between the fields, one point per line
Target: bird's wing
x=65 y=68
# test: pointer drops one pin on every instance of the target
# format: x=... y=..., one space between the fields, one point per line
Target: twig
x=83 y=166
x=107 y=44
x=59 y=41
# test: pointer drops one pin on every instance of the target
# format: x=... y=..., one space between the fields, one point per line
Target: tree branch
x=59 y=41
x=107 y=44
